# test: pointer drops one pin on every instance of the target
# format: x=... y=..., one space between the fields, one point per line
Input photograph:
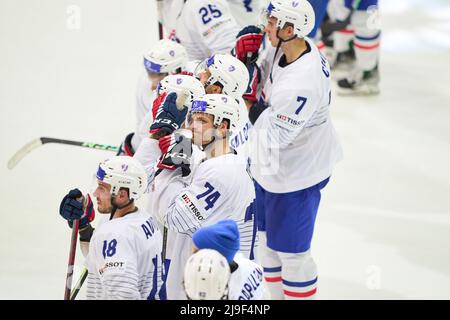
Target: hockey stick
x=70 y=264
x=22 y=152
x=79 y=284
x=159 y=4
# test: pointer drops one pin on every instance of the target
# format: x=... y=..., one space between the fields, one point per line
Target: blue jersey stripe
x=276 y=269
x=299 y=284
x=368 y=38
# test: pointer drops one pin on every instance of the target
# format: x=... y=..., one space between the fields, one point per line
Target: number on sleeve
x=210 y=12
x=211 y=196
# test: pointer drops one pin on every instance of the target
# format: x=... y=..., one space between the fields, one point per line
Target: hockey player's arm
x=189 y=207
x=148 y=155
x=119 y=274
x=287 y=119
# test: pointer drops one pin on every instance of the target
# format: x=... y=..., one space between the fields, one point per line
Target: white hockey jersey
x=294 y=143
x=217 y=189
x=239 y=138
x=206 y=27
x=246 y=12
x=247 y=281
x=124 y=260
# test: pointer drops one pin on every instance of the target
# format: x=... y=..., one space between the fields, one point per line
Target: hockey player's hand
x=248 y=42
x=71 y=208
x=126 y=148
x=177 y=151
x=255 y=79
x=168 y=117
x=157 y=103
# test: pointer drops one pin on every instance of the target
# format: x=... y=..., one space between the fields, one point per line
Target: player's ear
x=223 y=127
x=216 y=89
x=123 y=193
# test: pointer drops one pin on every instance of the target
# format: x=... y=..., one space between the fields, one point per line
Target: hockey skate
x=360 y=82
x=339 y=61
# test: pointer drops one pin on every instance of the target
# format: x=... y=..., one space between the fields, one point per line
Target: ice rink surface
x=383 y=229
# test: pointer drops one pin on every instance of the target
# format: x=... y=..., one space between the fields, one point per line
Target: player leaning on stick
x=191 y=196
x=124 y=259
x=296 y=148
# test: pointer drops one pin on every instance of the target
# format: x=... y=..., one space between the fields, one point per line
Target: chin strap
x=204 y=146
x=280 y=41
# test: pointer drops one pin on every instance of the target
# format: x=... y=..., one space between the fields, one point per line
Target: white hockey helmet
x=221 y=107
x=206 y=276
x=299 y=13
x=123 y=172
x=165 y=57
x=229 y=72
x=181 y=83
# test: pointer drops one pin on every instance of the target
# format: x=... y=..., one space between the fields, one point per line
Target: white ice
x=383 y=229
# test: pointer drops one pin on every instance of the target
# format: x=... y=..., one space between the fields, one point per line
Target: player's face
x=271 y=31
x=103 y=195
x=202 y=127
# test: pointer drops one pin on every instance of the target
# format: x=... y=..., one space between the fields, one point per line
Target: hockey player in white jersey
x=296 y=148
x=221 y=73
x=217 y=188
x=203 y=27
x=124 y=259
x=165 y=58
x=225 y=74
x=188 y=89
x=206 y=276
x=246 y=280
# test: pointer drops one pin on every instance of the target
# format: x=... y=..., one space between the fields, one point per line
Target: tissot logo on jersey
x=112 y=265
x=211 y=30
x=192 y=207
x=288 y=120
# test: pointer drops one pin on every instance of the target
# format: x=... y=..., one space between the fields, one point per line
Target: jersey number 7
x=302 y=101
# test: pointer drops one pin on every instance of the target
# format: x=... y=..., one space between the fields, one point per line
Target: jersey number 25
x=208 y=15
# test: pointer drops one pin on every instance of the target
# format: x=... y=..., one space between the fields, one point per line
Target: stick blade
x=22 y=152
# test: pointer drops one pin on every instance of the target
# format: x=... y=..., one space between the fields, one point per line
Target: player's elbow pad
x=86 y=233
x=256 y=110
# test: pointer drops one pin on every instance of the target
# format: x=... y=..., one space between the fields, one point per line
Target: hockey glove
x=71 y=208
x=157 y=103
x=255 y=79
x=177 y=152
x=248 y=42
x=168 y=117
x=126 y=148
